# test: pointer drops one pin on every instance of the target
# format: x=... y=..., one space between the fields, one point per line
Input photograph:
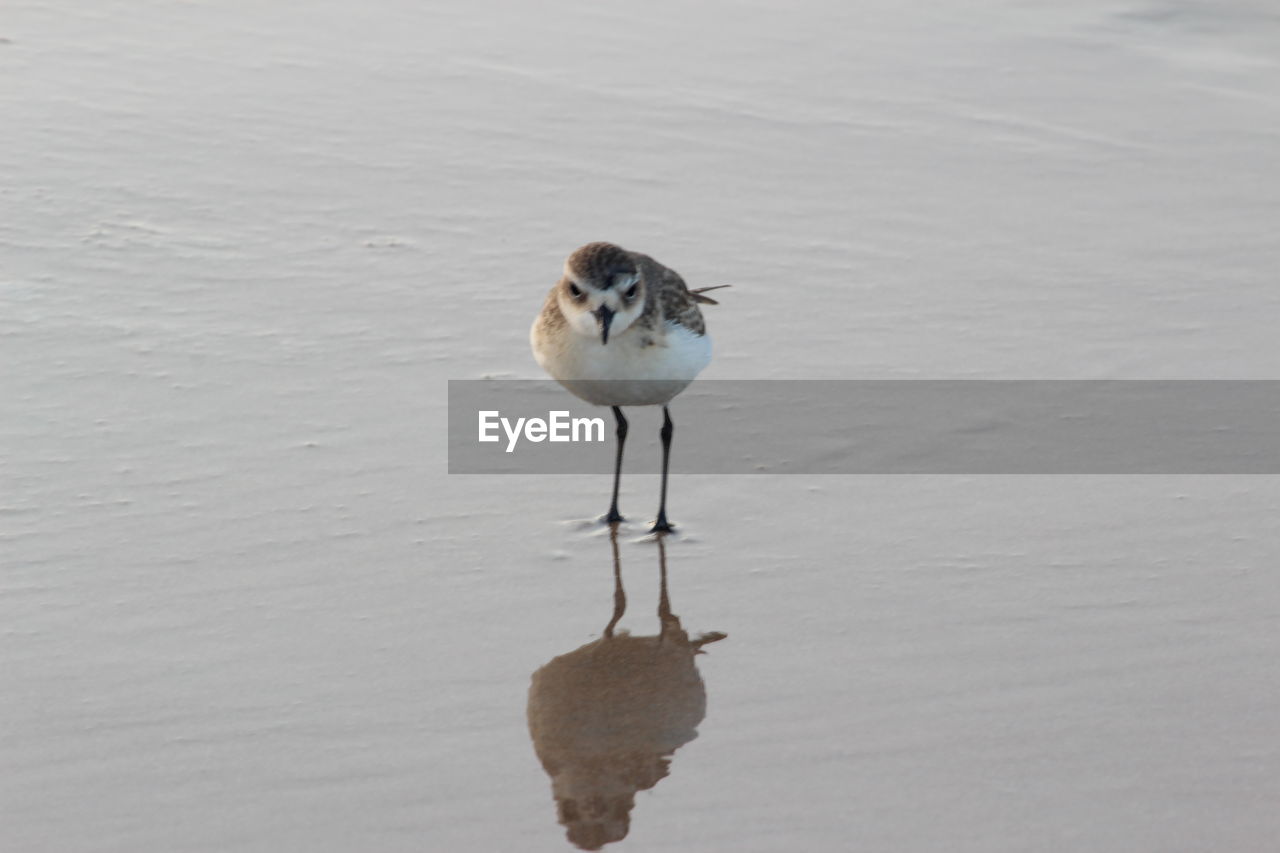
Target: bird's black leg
x=661 y=525
x=615 y=516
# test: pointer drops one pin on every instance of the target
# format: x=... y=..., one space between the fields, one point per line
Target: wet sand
x=245 y=608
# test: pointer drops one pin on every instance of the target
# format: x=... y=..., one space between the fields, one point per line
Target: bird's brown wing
x=679 y=304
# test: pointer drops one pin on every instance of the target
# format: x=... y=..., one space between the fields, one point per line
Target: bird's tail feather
x=698 y=297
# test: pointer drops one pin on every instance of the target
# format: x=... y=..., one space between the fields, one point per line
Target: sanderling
x=620 y=329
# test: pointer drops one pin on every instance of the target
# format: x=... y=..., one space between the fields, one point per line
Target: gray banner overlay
x=882 y=427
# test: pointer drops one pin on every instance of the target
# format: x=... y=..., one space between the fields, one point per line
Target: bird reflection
x=606 y=718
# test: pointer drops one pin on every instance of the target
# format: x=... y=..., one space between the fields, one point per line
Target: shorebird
x=620 y=329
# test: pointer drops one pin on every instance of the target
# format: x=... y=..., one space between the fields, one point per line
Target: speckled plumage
x=674 y=302
x=663 y=346
x=602 y=262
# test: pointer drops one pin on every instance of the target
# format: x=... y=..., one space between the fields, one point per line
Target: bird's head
x=601 y=293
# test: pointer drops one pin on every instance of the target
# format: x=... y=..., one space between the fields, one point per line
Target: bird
x=620 y=329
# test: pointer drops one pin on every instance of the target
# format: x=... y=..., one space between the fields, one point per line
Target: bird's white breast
x=636 y=368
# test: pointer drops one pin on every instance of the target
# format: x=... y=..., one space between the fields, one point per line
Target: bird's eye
x=573 y=289
x=631 y=291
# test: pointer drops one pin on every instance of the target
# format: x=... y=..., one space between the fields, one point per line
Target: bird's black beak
x=604 y=317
